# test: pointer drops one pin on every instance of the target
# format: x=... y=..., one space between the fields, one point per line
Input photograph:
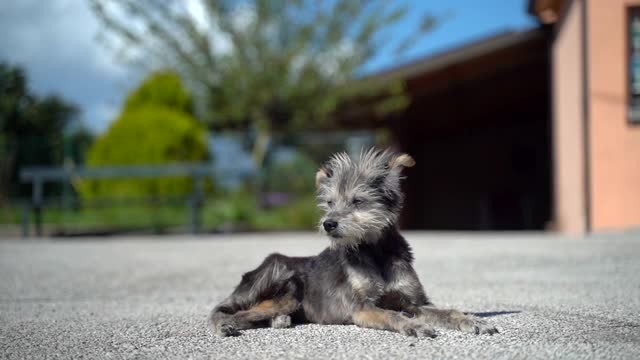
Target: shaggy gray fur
x=365 y=277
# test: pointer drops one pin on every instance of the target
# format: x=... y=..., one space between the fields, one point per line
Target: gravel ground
x=146 y=297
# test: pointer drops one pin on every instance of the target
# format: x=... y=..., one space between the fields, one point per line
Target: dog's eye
x=356 y=202
x=329 y=202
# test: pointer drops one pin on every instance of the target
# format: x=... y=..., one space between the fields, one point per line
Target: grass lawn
x=230 y=212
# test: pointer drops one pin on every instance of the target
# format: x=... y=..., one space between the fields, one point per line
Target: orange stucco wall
x=614 y=143
x=568 y=121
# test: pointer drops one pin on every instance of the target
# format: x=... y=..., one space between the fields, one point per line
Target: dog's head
x=360 y=197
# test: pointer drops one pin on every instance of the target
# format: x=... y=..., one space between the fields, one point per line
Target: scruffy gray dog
x=364 y=277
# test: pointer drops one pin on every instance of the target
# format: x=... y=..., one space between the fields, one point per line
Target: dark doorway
x=479 y=130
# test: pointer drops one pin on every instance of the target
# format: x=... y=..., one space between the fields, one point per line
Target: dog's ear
x=323 y=173
x=401 y=161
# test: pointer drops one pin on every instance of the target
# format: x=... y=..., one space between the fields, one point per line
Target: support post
x=37 y=205
x=196 y=204
x=26 y=209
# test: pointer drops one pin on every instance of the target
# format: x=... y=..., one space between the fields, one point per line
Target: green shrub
x=300 y=214
x=156 y=127
x=146 y=135
x=295 y=176
x=232 y=210
x=162 y=88
x=239 y=210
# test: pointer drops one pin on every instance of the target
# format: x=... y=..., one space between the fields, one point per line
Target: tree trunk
x=6 y=171
x=260 y=151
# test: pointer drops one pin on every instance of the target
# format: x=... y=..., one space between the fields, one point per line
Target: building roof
x=547 y=11
x=500 y=53
x=456 y=55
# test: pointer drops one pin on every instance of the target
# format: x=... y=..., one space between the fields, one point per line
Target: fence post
x=26 y=209
x=196 y=202
x=37 y=204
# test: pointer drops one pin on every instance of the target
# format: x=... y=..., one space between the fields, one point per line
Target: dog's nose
x=330 y=225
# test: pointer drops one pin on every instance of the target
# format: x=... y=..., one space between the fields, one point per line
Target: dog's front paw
x=281 y=321
x=474 y=325
x=418 y=330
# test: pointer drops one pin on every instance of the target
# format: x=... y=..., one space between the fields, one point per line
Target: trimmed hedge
x=156 y=127
x=162 y=88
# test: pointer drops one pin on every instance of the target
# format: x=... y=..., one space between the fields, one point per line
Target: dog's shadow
x=487 y=314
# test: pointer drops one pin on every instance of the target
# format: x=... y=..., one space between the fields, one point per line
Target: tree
x=263 y=65
x=161 y=88
x=78 y=144
x=155 y=127
x=31 y=128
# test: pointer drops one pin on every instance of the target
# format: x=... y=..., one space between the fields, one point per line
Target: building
x=528 y=130
x=595 y=57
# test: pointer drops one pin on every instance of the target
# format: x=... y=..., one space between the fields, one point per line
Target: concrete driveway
x=146 y=297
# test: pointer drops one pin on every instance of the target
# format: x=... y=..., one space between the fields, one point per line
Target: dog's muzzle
x=329 y=225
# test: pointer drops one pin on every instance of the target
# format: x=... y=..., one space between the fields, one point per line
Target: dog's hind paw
x=281 y=321
x=477 y=326
x=226 y=330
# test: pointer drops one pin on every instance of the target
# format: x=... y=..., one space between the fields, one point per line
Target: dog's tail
x=271 y=279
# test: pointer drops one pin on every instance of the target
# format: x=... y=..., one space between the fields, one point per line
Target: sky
x=55 y=42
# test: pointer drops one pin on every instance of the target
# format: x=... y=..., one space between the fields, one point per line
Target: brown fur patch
x=442 y=317
x=376 y=319
x=280 y=306
x=266 y=310
x=265 y=305
x=402 y=160
x=322 y=173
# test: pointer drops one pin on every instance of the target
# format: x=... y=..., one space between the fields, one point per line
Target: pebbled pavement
x=148 y=297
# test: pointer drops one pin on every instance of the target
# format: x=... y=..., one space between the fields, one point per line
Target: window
x=633 y=27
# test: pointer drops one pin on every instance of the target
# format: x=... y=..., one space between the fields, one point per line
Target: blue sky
x=463 y=21
x=54 y=41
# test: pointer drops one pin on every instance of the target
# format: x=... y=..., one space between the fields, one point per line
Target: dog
x=365 y=277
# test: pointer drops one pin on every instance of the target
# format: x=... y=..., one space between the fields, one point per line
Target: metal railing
x=38 y=176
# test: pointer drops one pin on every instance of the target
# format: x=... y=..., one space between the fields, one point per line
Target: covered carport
x=478 y=126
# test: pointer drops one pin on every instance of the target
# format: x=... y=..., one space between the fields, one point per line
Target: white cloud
x=59 y=30
x=55 y=42
x=197 y=11
x=218 y=41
